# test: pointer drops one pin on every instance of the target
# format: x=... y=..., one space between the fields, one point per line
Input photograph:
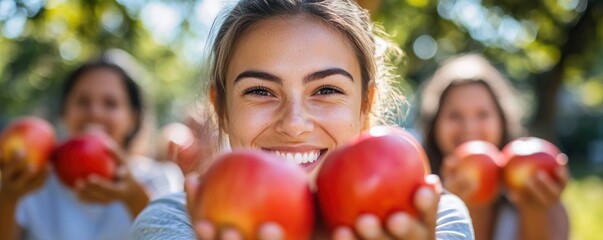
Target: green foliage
x=59 y=35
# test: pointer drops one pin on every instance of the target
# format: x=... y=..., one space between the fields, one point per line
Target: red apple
x=377 y=174
x=33 y=135
x=245 y=189
x=81 y=156
x=480 y=163
x=525 y=156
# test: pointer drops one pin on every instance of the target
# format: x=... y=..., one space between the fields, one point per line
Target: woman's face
x=293 y=88
x=99 y=100
x=468 y=112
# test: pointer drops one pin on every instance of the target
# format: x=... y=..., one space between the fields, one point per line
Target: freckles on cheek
x=247 y=122
x=340 y=123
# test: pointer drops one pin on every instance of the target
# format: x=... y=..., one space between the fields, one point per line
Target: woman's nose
x=95 y=112
x=471 y=128
x=295 y=120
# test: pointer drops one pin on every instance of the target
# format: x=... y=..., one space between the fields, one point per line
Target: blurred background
x=550 y=49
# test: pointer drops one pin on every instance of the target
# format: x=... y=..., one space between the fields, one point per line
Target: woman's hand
x=542 y=191
x=19 y=177
x=400 y=225
x=457 y=181
x=124 y=187
x=206 y=230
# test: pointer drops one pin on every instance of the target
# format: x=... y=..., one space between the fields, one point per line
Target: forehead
x=100 y=79
x=466 y=95
x=288 y=40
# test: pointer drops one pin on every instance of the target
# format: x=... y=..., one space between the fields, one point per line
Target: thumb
x=191 y=184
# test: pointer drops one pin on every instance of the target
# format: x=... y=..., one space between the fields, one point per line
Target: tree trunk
x=547 y=84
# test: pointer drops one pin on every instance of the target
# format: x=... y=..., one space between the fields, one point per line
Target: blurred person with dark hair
x=100 y=95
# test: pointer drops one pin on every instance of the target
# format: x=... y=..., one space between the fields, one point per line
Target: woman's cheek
x=342 y=123
x=246 y=123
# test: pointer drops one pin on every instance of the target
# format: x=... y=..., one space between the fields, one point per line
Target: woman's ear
x=366 y=111
x=213 y=99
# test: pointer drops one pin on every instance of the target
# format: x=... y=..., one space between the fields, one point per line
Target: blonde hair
x=345 y=16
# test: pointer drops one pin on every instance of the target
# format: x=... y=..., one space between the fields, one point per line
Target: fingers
x=544 y=189
x=38 y=179
x=16 y=166
x=449 y=166
x=230 y=234
x=402 y=226
x=343 y=233
x=191 y=184
x=562 y=175
x=454 y=181
x=205 y=230
x=271 y=231
x=426 y=200
x=117 y=153
x=368 y=226
x=398 y=224
x=97 y=189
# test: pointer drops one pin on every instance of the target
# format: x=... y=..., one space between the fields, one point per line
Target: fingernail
x=205 y=230
x=230 y=234
x=426 y=197
x=271 y=231
x=398 y=224
x=562 y=159
x=370 y=226
x=343 y=233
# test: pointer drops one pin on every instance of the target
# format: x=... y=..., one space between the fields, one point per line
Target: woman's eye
x=328 y=90
x=259 y=91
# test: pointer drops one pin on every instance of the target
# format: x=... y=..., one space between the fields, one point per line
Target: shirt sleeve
x=164 y=218
x=454 y=221
x=159 y=178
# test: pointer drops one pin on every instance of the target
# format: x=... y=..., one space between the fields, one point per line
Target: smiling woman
x=277 y=100
x=301 y=78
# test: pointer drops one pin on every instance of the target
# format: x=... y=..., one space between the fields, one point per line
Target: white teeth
x=299 y=158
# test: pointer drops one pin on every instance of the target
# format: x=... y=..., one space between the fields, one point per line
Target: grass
x=583 y=198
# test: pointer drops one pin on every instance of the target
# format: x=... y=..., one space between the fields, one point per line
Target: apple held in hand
x=245 y=189
x=525 y=156
x=480 y=162
x=376 y=174
x=81 y=156
x=33 y=135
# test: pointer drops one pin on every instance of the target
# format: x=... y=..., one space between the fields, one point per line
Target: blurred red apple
x=525 y=156
x=245 y=189
x=33 y=135
x=377 y=174
x=81 y=156
x=480 y=163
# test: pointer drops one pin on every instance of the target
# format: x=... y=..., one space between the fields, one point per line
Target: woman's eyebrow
x=259 y=75
x=327 y=72
x=308 y=78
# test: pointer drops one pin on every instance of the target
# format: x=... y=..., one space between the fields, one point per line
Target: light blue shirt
x=166 y=219
x=54 y=212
